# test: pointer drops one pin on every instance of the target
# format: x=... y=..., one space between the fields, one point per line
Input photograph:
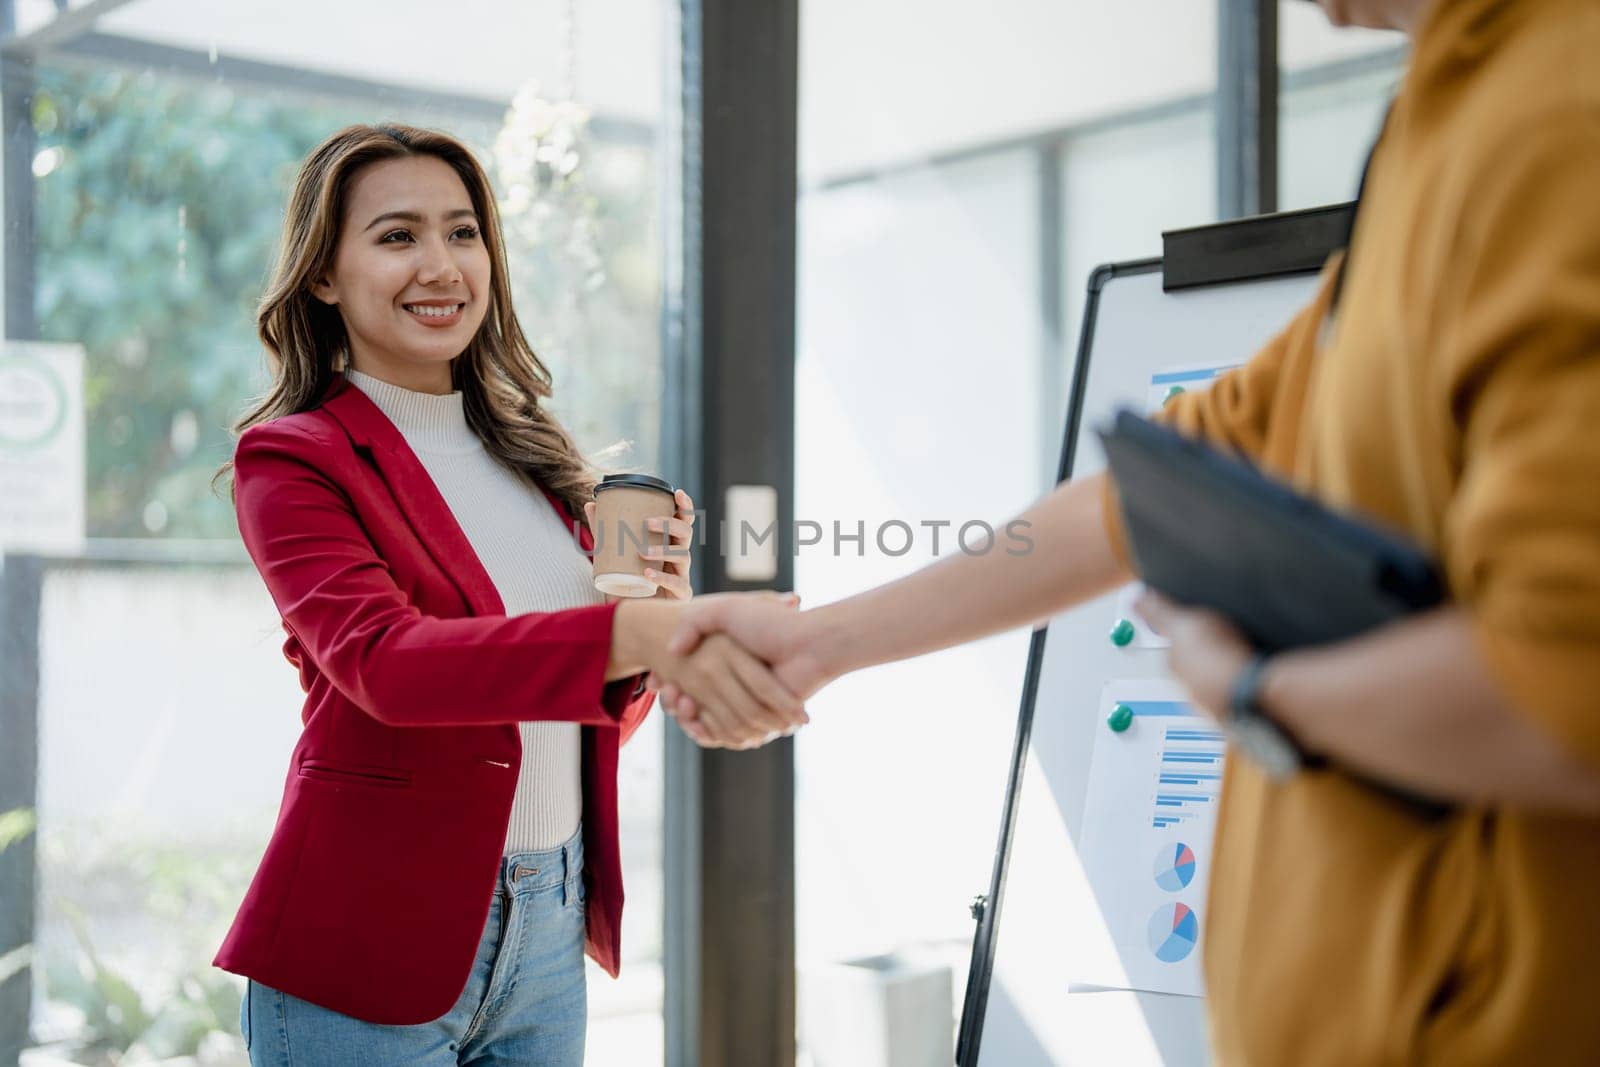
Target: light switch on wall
x=751 y=536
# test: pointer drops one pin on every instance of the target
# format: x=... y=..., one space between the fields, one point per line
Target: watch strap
x=1244 y=700
x=1244 y=705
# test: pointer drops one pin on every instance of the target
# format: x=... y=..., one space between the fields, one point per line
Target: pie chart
x=1174 y=929
x=1174 y=867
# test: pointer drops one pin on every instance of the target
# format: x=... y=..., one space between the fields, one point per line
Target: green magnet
x=1120 y=719
x=1176 y=390
x=1122 y=633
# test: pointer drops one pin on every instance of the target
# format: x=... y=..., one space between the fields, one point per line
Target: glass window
x=165 y=139
x=919 y=353
x=1306 y=39
x=1327 y=127
x=1125 y=183
x=961 y=174
x=1336 y=85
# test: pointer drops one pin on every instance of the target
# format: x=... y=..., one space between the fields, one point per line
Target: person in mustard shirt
x=1453 y=392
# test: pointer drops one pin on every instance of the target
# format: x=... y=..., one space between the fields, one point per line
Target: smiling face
x=411 y=273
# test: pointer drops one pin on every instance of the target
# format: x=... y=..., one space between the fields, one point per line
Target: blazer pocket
x=355 y=773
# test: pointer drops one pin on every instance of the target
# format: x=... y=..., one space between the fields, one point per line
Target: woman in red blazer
x=387 y=923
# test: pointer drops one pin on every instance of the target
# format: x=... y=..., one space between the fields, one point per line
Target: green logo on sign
x=33 y=403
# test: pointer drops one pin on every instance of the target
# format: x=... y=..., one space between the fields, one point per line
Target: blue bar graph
x=1205 y=374
x=1190 y=775
x=1158 y=708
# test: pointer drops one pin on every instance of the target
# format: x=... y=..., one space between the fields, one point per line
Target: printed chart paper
x=1148 y=823
x=1174 y=381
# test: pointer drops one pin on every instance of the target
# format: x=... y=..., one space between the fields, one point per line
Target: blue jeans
x=526 y=1001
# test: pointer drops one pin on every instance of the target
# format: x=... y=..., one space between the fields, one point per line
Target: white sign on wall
x=41 y=447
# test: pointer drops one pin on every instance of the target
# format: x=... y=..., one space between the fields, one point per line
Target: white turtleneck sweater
x=530 y=556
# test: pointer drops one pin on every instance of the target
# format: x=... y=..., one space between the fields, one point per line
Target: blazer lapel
x=415 y=492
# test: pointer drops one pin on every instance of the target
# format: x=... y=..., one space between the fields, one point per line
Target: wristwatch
x=1252 y=730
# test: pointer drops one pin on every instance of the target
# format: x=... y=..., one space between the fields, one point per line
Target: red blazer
x=375 y=887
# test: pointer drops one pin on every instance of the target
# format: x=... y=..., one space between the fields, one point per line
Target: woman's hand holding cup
x=673 y=558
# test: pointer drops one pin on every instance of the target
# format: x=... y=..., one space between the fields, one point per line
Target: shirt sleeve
x=1236 y=411
x=403 y=667
x=1521 y=350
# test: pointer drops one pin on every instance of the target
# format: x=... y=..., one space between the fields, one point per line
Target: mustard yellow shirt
x=1455 y=395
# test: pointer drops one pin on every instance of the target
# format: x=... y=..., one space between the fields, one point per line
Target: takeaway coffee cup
x=622 y=503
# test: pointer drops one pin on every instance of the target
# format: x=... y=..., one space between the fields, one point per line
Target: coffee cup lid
x=633 y=481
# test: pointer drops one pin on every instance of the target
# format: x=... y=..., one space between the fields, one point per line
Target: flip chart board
x=1089 y=942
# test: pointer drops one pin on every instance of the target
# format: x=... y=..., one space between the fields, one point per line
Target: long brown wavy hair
x=501 y=379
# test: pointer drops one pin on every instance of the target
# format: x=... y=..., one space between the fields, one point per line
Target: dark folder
x=1211 y=530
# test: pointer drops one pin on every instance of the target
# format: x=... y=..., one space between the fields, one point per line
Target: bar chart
x=1189 y=775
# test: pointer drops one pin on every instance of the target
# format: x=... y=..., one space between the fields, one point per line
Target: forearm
x=967 y=597
x=639 y=633
x=1414 y=705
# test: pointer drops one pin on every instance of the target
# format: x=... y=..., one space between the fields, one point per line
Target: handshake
x=733 y=669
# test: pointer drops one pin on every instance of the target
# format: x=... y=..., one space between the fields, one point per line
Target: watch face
x=1265 y=744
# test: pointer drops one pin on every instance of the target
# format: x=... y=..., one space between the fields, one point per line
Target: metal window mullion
x=1247 y=107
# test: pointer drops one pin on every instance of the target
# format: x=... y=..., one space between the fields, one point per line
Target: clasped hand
x=742 y=665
